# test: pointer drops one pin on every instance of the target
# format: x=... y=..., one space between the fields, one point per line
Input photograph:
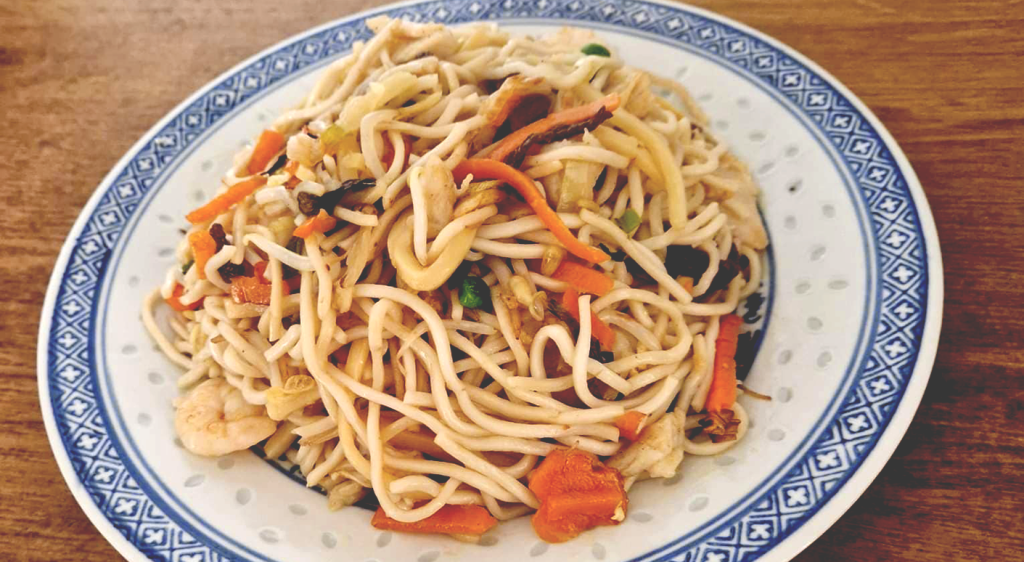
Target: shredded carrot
x=322 y=222
x=203 y=248
x=249 y=290
x=583 y=278
x=577 y=492
x=221 y=203
x=631 y=424
x=174 y=301
x=598 y=329
x=483 y=169
x=565 y=117
x=687 y=283
x=269 y=144
x=722 y=394
x=450 y=520
x=291 y=167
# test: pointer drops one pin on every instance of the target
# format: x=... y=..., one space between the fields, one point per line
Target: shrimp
x=214 y=420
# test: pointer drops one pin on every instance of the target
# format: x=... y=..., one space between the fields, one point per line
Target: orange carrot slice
x=174 y=301
x=450 y=520
x=483 y=169
x=203 y=248
x=223 y=202
x=249 y=290
x=722 y=394
x=583 y=279
x=269 y=144
x=577 y=492
x=321 y=223
x=631 y=424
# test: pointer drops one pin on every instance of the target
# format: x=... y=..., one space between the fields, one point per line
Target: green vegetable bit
x=332 y=137
x=629 y=221
x=186 y=267
x=595 y=50
x=473 y=291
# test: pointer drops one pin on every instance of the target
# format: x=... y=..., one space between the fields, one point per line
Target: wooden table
x=80 y=81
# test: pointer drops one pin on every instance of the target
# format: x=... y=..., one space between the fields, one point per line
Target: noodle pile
x=358 y=360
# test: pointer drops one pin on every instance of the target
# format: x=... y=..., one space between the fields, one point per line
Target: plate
x=848 y=322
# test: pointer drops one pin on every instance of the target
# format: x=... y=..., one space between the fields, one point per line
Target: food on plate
x=477 y=276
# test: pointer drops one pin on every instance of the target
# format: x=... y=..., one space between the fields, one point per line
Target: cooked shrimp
x=214 y=420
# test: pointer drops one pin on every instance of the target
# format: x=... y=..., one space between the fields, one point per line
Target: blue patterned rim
x=884 y=383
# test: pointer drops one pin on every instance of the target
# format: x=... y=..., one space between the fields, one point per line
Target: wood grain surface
x=81 y=80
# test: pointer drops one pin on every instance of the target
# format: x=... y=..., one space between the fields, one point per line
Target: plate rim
x=798 y=540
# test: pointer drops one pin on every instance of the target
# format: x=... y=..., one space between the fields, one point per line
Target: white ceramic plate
x=854 y=301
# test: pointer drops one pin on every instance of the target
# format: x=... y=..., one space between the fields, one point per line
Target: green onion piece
x=472 y=292
x=595 y=50
x=629 y=221
x=186 y=267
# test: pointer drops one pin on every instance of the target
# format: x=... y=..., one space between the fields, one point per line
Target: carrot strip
x=450 y=520
x=174 y=301
x=203 y=248
x=221 y=203
x=598 y=329
x=722 y=394
x=631 y=424
x=687 y=283
x=493 y=170
x=563 y=118
x=291 y=167
x=322 y=222
x=269 y=144
x=583 y=279
x=249 y=290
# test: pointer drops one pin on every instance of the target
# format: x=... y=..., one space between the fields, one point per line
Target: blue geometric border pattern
x=895 y=340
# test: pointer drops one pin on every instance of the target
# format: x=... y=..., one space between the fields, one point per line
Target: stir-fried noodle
x=462 y=252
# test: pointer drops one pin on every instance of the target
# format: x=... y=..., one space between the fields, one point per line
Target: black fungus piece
x=455 y=281
x=492 y=85
x=600 y=355
x=556 y=133
x=328 y=201
x=527 y=110
x=618 y=255
x=687 y=261
x=230 y=270
x=218 y=235
x=278 y=164
x=691 y=262
x=296 y=245
x=309 y=204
